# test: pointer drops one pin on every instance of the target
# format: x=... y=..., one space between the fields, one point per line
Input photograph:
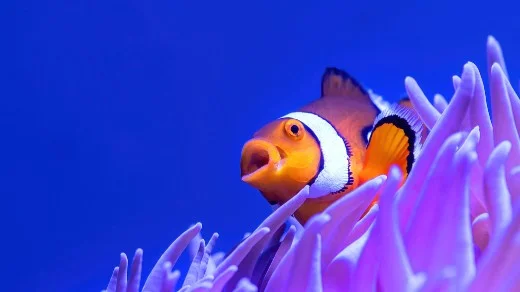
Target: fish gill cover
x=454 y=225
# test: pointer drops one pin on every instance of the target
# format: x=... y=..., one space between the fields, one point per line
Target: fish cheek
x=305 y=161
x=303 y=169
x=299 y=170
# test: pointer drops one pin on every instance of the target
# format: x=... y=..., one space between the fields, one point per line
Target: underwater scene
x=261 y=146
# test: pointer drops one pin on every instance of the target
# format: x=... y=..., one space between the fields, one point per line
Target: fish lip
x=258 y=157
x=248 y=177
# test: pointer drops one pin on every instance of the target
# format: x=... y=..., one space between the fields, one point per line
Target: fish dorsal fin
x=395 y=140
x=336 y=82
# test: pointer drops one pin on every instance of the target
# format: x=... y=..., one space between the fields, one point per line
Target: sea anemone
x=454 y=224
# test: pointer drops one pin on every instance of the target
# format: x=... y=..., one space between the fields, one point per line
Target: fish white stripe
x=335 y=173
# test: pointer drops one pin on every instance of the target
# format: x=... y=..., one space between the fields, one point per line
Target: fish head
x=280 y=159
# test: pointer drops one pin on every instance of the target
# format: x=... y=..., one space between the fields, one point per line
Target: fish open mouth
x=258 y=157
x=258 y=160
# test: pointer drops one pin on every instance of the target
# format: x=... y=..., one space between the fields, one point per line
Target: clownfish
x=333 y=144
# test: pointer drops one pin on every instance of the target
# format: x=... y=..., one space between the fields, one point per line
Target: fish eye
x=294 y=129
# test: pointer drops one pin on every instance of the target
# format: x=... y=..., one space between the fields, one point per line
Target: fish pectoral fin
x=395 y=140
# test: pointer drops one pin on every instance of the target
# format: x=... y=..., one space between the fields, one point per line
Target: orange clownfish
x=333 y=144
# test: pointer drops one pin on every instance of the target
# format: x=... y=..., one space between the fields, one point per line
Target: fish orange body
x=333 y=144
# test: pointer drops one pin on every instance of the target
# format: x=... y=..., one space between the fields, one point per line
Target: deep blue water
x=122 y=122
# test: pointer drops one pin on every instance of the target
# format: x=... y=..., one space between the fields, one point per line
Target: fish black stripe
x=401 y=123
x=364 y=133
